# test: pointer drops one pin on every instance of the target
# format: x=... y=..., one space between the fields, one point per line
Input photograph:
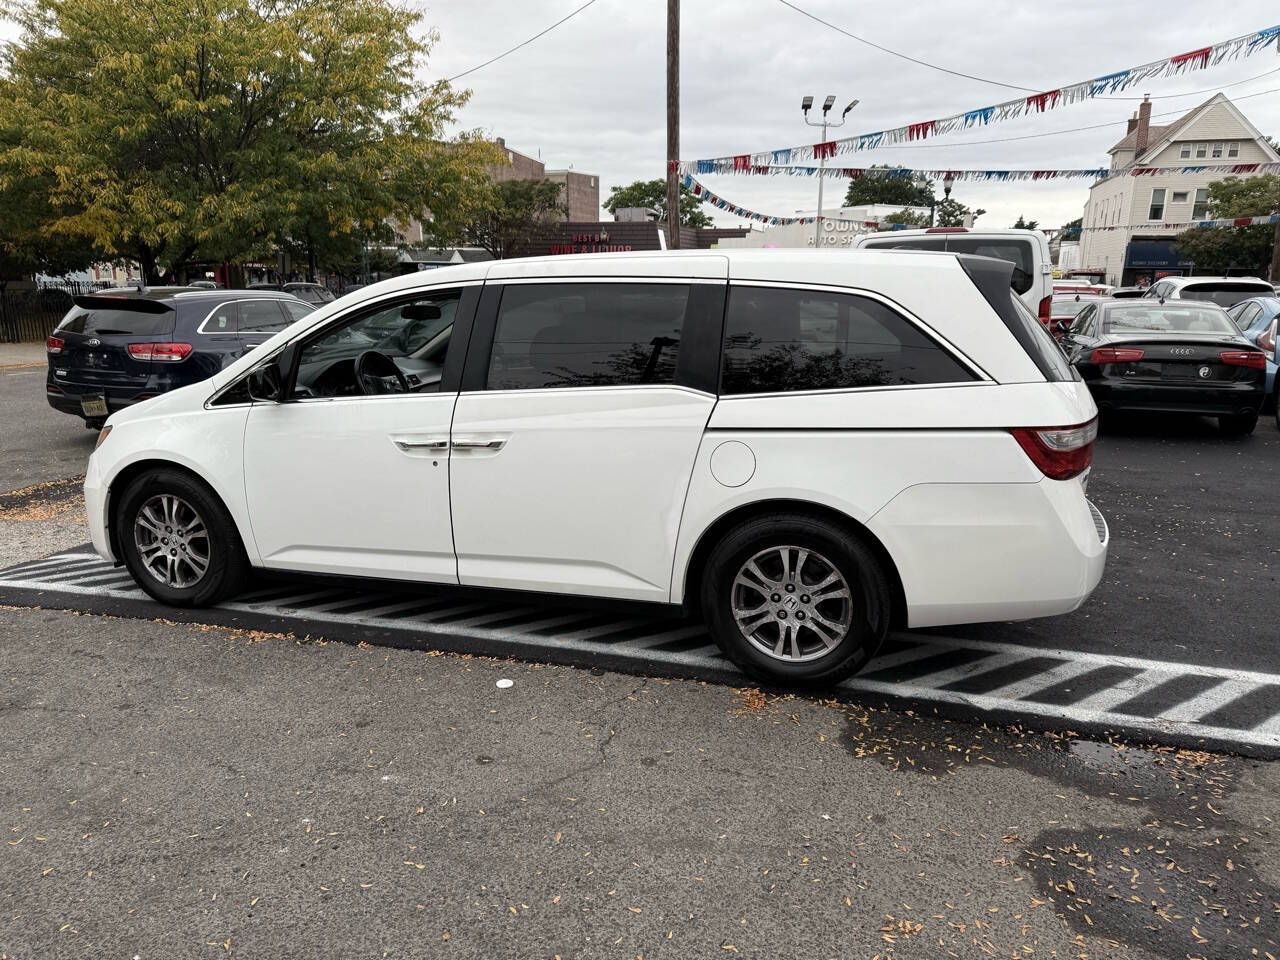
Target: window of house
x=1179 y=196
x=1233 y=149
x=587 y=335
x=1200 y=209
x=1185 y=151
x=780 y=340
x=1202 y=149
x=1156 y=212
x=1217 y=150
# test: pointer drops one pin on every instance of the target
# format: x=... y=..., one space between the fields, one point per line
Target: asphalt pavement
x=37 y=443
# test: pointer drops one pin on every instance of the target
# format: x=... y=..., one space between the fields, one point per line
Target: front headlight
x=102 y=436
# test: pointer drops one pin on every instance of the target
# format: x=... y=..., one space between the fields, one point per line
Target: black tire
x=870 y=600
x=227 y=568
x=1237 y=426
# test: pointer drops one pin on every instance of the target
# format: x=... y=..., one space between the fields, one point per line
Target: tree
x=1071 y=229
x=1025 y=224
x=513 y=215
x=907 y=218
x=653 y=195
x=214 y=129
x=900 y=191
x=952 y=213
x=1243 y=249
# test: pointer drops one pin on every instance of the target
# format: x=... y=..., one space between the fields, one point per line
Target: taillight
x=1116 y=355
x=1267 y=339
x=167 y=352
x=1046 y=308
x=54 y=344
x=1244 y=358
x=1060 y=452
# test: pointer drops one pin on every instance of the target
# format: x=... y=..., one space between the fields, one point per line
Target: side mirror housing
x=265 y=384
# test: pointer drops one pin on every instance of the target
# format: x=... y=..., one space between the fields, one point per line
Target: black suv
x=114 y=349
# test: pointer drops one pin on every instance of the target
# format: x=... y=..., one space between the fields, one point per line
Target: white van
x=1027 y=250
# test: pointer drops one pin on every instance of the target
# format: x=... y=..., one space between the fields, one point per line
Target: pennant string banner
x=1201 y=59
x=688 y=168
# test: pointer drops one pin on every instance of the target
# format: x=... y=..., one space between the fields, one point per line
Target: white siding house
x=1145 y=210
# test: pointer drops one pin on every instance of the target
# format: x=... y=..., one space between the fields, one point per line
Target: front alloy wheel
x=172 y=541
x=792 y=603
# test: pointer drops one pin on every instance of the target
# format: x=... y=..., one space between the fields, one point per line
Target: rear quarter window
x=1016 y=251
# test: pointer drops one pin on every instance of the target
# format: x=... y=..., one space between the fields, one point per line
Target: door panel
x=355 y=485
x=574 y=490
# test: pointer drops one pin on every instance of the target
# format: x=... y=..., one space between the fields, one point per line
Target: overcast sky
x=591 y=93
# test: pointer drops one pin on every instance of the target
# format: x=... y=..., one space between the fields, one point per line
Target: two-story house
x=1146 y=213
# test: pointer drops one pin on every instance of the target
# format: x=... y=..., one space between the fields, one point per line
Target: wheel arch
x=131 y=471
x=723 y=524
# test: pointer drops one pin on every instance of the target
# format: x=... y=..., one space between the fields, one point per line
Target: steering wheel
x=377 y=373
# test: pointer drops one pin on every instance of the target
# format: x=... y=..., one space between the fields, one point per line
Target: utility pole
x=1275 y=257
x=673 y=123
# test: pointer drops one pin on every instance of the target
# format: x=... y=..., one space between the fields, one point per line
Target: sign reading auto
x=590 y=243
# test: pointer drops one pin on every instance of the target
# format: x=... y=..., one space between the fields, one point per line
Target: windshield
x=1168 y=317
x=1224 y=294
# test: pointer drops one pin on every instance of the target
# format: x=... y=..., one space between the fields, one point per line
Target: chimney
x=1144 y=127
x=1133 y=122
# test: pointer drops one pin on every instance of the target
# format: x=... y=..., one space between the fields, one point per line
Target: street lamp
x=805 y=106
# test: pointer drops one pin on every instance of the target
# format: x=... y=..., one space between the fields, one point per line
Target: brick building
x=620 y=236
x=579 y=192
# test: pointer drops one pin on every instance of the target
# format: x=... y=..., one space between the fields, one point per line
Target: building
x=839 y=227
x=1130 y=222
x=579 y=192
x=623 y=236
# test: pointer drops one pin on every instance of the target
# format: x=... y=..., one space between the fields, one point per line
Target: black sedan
x=1174 y=356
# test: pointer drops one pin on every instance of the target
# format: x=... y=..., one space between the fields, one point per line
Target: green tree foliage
x=517 y=208
x=175 y=130
x=1248 y=249
x=653 y=194
x=952 y=213
x=864 y=191
x=907 y=218
x=1022 y=224
x=1071 y=229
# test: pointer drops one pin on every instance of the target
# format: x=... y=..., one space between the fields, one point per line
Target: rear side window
x=99 y=316
x=1224 y=294
x=261 y=316
x=1040 y=345
x=587 y=335
x=298 y=310
x=223 y=319
x=781 y=340
x=1018 y=252
x=934 y=243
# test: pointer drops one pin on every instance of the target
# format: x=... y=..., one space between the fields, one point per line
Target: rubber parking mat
x=1181 y=704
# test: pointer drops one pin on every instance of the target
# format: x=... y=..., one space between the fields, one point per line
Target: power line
x=1056 y=133
x=967 y=76
x=524 y=44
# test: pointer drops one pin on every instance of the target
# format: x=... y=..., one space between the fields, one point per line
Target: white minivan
x=811 y=447
x=1027 y=250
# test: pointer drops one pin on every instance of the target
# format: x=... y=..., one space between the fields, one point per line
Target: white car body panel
x=607 y=491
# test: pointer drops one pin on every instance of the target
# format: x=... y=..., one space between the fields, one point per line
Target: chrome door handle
x=493 y=444
x=411 y=444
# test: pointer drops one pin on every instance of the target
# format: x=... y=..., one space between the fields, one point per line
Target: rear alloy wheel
x=178 y=540
x=791 y=600
x=1238 y=426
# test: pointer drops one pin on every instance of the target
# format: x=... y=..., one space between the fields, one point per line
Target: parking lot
x=269 y=776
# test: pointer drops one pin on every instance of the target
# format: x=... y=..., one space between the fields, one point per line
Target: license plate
x=93 y=406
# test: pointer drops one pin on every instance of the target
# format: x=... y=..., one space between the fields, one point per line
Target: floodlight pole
x=822 y=161
x=673 y=123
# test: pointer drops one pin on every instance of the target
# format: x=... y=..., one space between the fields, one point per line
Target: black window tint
x=261 y=316
x=782 y=340
x=1017 y=252
x=587 y=335
x=936 y=242
x=148 y=319
x=222 y=319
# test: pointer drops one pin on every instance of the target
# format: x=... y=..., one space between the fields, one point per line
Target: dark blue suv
x=120 y=346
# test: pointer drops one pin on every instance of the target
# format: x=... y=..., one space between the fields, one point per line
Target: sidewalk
x=21 y=354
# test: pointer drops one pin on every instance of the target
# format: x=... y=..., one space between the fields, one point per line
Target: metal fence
x=30 y=314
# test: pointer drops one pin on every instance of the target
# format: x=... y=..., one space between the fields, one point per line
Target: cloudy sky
x=591 y=93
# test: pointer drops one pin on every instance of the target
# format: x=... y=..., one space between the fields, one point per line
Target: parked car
x=205 y=284
x=1172 y=356
x=1061 y=287
x=1224 y=291
x=1128 y=293
x=1027 y=250
x=312 y=293
x=1256 y=319
x=806 y=446
x=115 y=348
x=1064 y=309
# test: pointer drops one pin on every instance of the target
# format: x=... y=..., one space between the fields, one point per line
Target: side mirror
x=265 y=383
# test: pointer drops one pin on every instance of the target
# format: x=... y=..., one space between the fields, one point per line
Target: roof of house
x=1160 y=137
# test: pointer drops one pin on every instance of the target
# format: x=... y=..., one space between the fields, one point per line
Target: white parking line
x=1042 y=681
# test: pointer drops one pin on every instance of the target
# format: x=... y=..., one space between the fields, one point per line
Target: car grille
x=1099 y=523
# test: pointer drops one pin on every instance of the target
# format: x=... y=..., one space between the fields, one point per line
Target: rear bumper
x=970 y=553
x=1216 y=399
x=64 y=395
